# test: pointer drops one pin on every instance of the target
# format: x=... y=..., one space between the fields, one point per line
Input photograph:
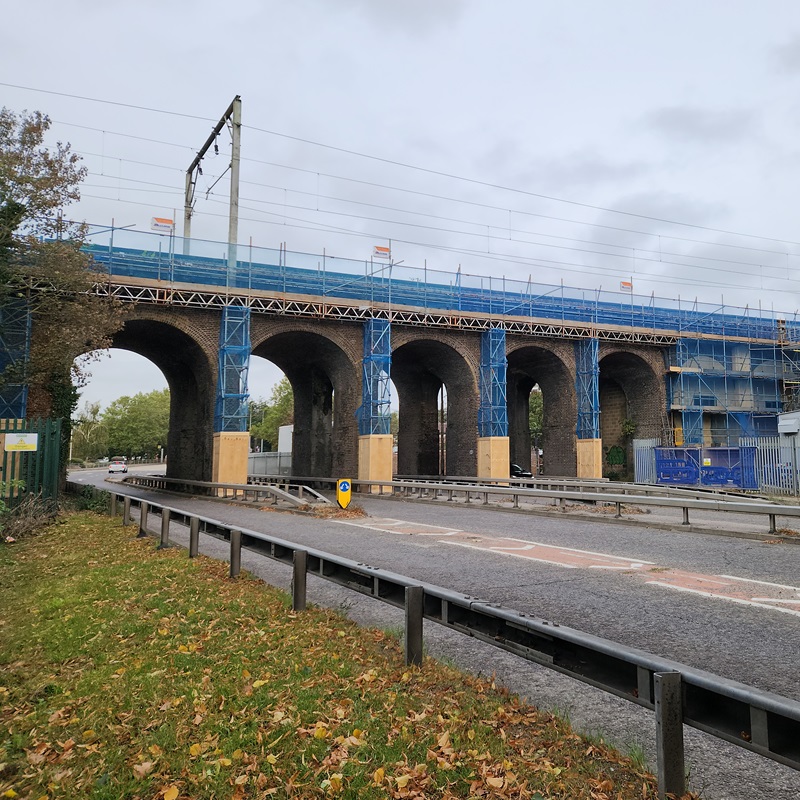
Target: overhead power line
x=404 y=165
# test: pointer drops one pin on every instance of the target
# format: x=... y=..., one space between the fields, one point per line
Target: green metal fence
x=29 y=451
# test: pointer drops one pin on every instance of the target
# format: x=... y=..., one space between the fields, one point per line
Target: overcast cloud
x=532 y=125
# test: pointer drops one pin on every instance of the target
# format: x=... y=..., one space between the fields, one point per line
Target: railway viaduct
x=323 y=359
x=341 y=332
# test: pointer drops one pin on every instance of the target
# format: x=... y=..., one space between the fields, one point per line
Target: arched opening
x=270 y=419
x=532 y=368
x=437 y=402
x=120 y=386
x=325 y=388
x=146 y=356
x=632 y=405
x=191 y=385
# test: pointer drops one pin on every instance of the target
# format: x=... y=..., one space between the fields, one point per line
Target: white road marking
x=512 y=553
x=738 y=600
x=763 y=583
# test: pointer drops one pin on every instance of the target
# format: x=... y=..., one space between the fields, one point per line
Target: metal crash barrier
x=756 y=720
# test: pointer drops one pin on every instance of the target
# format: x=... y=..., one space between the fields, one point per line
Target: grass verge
x=132 y=672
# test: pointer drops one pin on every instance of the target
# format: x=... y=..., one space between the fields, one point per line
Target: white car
x=117 y=466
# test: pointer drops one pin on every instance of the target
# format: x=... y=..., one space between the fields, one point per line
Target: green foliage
x=89 y=434
x=90 y=499
x=535 y=416
x=267 y=417
x=628 y=428
x=138 y=425
x=40 y=250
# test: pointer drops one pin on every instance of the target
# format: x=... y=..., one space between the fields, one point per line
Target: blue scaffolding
x=230 y=410
x=493 y=409
x=373 y=414
x=723 y=389
x=587 y=388
x=15 y=344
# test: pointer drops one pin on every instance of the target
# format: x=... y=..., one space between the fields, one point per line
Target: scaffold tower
x=15 y=343
x=373 y=414
x=587 y=374
x=230 y=411
x=493 y=409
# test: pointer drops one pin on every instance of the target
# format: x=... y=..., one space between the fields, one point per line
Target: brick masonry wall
x=323 y=358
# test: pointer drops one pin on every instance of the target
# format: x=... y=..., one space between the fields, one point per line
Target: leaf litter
x=137 y=673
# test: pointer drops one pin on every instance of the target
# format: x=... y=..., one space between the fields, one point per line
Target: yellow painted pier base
x=375 y=458
x=590 y=458
x=229 y=457
x=493 y=457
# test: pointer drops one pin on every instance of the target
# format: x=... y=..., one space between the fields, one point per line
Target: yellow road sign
x=343 y=489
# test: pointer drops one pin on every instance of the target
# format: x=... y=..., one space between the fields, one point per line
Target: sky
x=582 y=142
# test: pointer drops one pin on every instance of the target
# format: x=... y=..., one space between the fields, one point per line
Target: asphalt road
x=757 y=645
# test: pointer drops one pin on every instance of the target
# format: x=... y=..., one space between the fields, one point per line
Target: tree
x=268 y=416
x=42 y=265
x=89 y=434
x=138 y=425
x=535 y=416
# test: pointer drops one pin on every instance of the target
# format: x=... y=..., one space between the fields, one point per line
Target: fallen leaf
x=144 y=769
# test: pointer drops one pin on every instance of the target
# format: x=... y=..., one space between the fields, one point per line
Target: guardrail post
x=299 y=576
x=236 y=553
x=126 y=510
x=413 y=634
x=144 y=507
x=772 y=526
x=669 y=734
x=685 y=516
x=165 y=515
x=618 y=515
x=194 y=536
x=113 y=505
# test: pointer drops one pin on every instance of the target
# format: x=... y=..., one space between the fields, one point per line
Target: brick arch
x=422 y=363
x=631 y=385
x=184 y=349
x=551 y=365
x=323 y=365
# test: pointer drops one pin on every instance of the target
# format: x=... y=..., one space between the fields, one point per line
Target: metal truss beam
x=300 y=306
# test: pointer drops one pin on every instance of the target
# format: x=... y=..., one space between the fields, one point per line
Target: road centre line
x=724 y=587
x=763 y=583
x=729 y=599
x=773 y=600
x=578 y=550
x=512 y=553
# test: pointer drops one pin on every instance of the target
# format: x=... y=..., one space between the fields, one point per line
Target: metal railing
x=759 y=721
x=290 y=493
x=446 y=491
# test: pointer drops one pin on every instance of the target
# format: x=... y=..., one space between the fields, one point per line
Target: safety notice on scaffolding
x=26 y=442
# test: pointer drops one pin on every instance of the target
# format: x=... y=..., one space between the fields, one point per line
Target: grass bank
x=132 y=672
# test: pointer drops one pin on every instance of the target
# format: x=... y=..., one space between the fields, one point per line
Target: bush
x=25 y=517
x=91 y=499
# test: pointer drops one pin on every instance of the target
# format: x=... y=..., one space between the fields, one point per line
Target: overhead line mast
x=233 y=116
